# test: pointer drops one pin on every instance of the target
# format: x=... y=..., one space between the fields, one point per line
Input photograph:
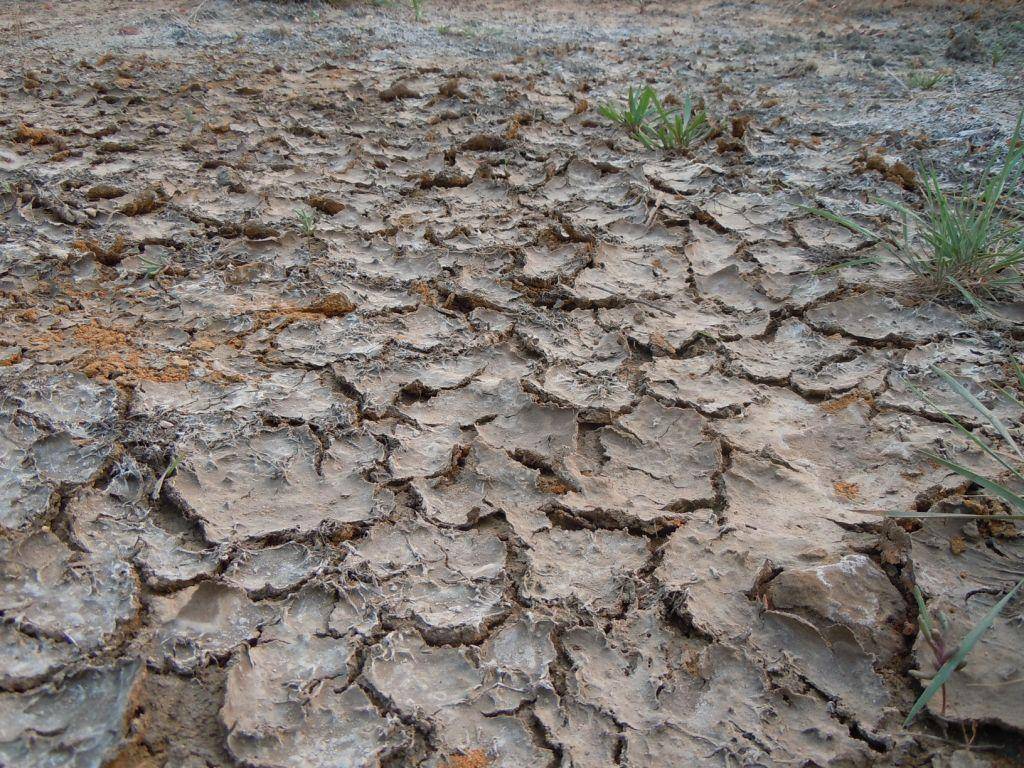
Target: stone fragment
x=866 y=372
x=853 y=592
x=55 y=430
x=449 y=583
x=288 y=704
x=331 y=725
x=24 y=497
x=543 y=265
x=583 y=733
x=695 y=383
x=625 y=274
x=732 y=289
x=794 y=347
x=443 y=686
x=274 y=570
x=756 y=217
x=518 y=657
x=595 y=398
x=166 y=548
x=60 y=605
x=289 y=394
x=579 y=342
x=378 y=383
x=424 y=451
x=483 y=482
x=537 y=432
x=420 y=679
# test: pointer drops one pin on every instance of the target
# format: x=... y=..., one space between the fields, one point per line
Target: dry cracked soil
x=366 y=399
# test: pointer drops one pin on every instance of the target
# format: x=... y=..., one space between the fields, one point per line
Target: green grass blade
x=948 y=515
x=979 y=407
x=965 y=647
x=990 y=485
x=844 y=222
x=1009 y=396
x=966 y=432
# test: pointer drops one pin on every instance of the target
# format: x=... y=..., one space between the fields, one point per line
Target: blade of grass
x=950 y=516
x=980 y=407
x=999 y=490
x=843 y=221
x=965 y=647
x=1009 y=395
x=966 y=432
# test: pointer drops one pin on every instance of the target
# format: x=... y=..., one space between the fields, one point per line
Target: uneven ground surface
x=534 y=448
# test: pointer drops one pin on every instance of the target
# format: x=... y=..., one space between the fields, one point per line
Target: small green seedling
x=679 y=129
x=153 y=267
x=925 y=81
x=948 y=661
x=970 y=243
x=936 y=638
x=639 y=107
x=169 y=471
x=653 y=125
x=307 y=221
x=417 y=9
x=998 y=53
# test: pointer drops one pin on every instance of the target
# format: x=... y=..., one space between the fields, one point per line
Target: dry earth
x=539 y=449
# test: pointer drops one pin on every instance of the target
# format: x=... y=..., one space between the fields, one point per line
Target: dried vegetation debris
x=363 y=402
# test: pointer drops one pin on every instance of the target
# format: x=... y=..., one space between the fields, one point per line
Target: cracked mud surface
x=540 y=450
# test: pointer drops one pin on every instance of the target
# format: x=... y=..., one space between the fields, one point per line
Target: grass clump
x=949 y=657
x=679 y=129
x=998 y=53
x=925 y=81
x=969 y=243
x=648 y=120
x=307 y=221
x=633 y=117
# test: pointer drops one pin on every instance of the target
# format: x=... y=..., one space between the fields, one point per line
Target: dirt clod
x=104 y=192
x=332 y=305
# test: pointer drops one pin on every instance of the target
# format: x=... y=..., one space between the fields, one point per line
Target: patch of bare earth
x=369 y=400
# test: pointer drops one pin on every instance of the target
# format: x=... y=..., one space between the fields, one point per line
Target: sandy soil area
x=367 y=399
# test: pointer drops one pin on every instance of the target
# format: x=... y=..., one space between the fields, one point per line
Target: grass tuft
x=680 y=129
x=971 y=243
x=639 y=107
x=925 y=81
x=654 y=125
x=307 y=221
